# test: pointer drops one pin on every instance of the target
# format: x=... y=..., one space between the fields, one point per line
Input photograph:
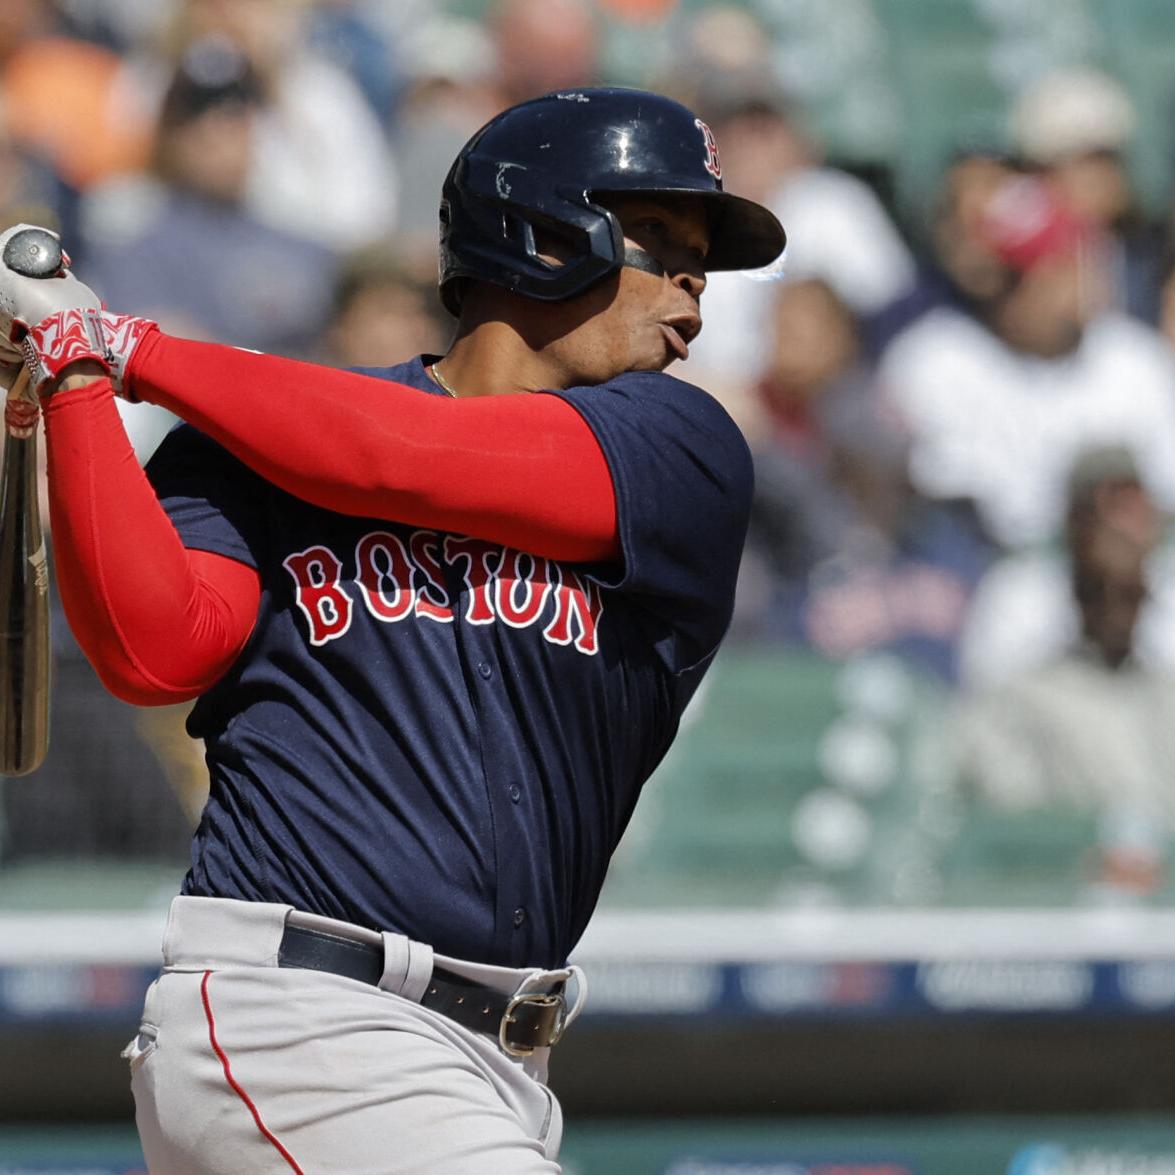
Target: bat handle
x=24 y=614
x=24 y=565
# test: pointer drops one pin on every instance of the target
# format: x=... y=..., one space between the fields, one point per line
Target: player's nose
x=691 y=278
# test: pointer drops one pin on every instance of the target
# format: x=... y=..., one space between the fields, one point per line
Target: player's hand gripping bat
x=24 y=566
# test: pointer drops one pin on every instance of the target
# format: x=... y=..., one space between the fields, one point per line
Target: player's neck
x=492 y=358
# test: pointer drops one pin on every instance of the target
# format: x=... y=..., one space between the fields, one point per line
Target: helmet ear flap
x=540 y=239
x=558 y=243
x=519 y=228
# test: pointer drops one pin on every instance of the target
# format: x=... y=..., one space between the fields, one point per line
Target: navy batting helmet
x=543 y=164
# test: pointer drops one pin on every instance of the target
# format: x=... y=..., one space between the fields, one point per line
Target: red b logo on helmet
x=711 y=162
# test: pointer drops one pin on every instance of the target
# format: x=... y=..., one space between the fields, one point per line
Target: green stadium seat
x=744 y=810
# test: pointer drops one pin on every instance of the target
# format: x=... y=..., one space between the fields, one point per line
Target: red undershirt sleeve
x=525 y=471
x=162 y=623
x=159 y=623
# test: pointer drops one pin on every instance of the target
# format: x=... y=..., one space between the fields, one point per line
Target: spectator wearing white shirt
x=1024 y=613
x=838 y=233
x=1089 y=730
x=322 y=164
x=999 y=403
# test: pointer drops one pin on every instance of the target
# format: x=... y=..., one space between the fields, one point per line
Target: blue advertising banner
x=780 y=989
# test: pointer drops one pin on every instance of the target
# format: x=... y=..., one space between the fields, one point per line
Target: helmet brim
x=743 y=233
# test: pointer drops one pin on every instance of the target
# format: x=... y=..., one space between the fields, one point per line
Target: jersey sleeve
x=213 y=500
x=682 y=475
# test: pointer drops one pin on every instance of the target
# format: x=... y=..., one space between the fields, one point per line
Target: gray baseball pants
x=242 y=1066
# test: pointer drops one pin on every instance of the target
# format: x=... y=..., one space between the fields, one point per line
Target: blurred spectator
x=970 y=270
x=382 y=314
x=123 y=25
x=843 y=557
x=838 y=231
x=321 y=166
x=343 y=32
x=956 y=264
x=70 y=101
x=1025 y=613
x=639 y=11
x=1076 y=126
x=465 y=72
x=244 y=283
x=1091 y=730
x=30 y=190
x=543 y=45
x=1167 y=305
x=999 y=401
x=453 y=93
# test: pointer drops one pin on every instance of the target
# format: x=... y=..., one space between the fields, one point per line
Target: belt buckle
x=542 y=1000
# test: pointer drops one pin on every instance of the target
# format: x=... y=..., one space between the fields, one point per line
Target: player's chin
x=653 y=364
x=656 y=353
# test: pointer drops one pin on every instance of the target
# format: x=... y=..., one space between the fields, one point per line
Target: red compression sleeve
x=522 y=470
x=158 y=622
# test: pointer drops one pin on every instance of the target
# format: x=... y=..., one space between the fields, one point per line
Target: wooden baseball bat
x=24 y=613
x=24 y=563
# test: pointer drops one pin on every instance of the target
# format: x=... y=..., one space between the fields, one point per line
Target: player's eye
x=661 y=234
x=652 y=225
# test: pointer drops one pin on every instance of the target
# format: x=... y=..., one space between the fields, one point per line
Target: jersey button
x=519 y=917
x=485 y=669
x=515 y=792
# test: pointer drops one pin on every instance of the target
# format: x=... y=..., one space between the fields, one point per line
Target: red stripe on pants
x=237 y=1088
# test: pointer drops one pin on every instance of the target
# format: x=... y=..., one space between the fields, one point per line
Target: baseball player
x=440 y=619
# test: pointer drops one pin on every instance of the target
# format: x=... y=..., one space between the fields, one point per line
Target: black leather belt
x=522 y=1023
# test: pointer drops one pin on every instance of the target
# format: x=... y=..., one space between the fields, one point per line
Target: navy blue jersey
x=432 y=734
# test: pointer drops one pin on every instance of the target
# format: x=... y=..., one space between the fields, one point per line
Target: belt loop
x=407 y=966
x=580 y=985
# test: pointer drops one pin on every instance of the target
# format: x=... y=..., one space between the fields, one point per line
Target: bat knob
x=34 y=252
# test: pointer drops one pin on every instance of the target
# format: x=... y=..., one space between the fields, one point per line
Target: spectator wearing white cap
x=1076 y=126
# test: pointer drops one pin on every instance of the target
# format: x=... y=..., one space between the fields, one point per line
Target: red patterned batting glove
x=84 y=333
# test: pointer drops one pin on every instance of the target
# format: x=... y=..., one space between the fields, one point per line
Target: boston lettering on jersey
x=396 y=579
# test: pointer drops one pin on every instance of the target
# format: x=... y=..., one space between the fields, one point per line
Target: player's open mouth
x=680 y=332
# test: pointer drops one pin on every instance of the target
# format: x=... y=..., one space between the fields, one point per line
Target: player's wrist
x=76 y=375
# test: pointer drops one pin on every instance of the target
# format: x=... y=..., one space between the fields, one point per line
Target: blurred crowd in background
x=959 y=390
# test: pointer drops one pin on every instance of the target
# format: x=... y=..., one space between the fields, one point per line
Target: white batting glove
x=56 y=320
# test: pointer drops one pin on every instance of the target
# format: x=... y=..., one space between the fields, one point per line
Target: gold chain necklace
x=442 y=381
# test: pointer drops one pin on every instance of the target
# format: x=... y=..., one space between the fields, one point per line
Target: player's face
x=639 y=320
